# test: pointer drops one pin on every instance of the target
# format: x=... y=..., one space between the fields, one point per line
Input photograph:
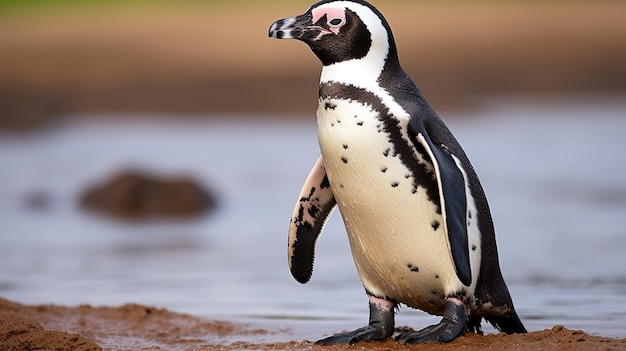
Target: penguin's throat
x=362 y=72
x=356 y=72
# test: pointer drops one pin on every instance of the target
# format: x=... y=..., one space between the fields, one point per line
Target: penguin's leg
x=381 y=324
x=453 y=324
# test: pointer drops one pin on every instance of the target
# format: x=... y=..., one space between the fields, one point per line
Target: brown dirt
x=23 y=334
x=136 y=327
x=202 y=59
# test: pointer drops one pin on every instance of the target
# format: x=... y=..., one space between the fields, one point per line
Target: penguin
x=417 y=218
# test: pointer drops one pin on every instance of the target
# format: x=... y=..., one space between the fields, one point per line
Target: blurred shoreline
x=203 y=59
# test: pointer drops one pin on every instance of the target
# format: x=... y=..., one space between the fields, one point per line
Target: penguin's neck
x=363 y=72
x=366 y=73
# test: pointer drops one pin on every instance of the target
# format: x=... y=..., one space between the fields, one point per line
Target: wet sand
x=137 y=327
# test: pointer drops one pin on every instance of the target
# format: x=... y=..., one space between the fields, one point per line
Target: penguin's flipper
x=315 y=203
x=451 y=181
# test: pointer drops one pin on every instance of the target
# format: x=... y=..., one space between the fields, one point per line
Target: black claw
x=380 y=327
x=453 y=324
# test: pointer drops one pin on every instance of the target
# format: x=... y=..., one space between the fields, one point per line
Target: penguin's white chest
x=395 y=230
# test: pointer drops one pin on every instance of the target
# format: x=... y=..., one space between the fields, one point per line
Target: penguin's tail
x=509 y=323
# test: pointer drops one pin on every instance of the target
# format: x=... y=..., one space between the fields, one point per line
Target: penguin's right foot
x=453 y=324
x=381 y=324
x=370 y=332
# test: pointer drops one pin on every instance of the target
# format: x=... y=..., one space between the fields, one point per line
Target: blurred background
x=70 y=58
x=152 y=151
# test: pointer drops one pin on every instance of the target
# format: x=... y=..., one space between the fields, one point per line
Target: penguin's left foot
x=381 y=324
x=453 y=324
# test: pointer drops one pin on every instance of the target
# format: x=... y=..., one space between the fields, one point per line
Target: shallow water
x=555 y=175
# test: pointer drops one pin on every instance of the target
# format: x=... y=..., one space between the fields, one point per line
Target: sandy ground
x=202 y=59
x=136 y=327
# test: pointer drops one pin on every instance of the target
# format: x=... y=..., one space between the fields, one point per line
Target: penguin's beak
x=293 y=27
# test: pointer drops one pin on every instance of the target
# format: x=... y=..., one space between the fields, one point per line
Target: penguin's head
x=339 y=31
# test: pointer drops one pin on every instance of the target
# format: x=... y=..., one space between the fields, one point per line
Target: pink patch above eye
x=330 y=13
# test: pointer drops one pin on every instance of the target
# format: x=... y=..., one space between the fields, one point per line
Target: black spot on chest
x=435 y=224
x=413 y=268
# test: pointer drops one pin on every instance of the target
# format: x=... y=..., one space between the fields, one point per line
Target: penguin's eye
x=335 y=21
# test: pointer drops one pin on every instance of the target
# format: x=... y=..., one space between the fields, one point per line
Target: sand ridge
x=138 y=327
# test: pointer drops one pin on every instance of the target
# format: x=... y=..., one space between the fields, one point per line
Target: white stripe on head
x=364 y=72
x=360 y=72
